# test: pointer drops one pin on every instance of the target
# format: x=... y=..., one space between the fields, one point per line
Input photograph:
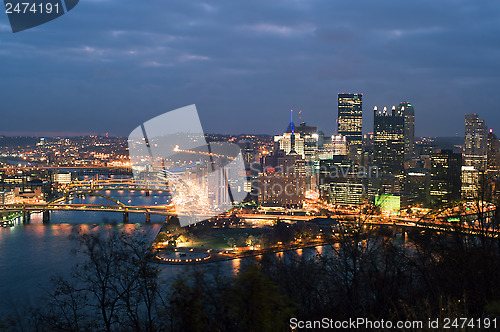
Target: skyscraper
x=338 y=181
x=248 y=152
x=409 y=128
x=417 y=186
x=446 y=171
x=475 y=142
x=291 y=143
x=470 y=182
x=350 y=117
x=493 y=165
x=308 y=137
x=388 y=140
x=302 y=140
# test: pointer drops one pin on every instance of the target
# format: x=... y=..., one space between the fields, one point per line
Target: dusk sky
x=109 y=65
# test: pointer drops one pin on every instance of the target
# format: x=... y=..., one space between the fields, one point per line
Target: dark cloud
x=109 y=65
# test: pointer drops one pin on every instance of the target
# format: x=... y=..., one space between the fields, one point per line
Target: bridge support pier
x=46 y=216
x=26 y=217
x=148 y=193
x=125 y=217
x=148 y=218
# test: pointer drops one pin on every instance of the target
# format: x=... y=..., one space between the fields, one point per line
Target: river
x=30 y=254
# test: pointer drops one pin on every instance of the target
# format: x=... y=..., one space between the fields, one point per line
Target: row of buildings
x=352 y=168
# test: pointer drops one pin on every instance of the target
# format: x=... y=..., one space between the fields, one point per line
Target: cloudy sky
x=109 y=65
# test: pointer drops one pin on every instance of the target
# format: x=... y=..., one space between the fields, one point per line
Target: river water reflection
x=30 y=254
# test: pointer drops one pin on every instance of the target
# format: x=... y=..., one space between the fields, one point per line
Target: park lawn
x=219 y=237
x=238 y=232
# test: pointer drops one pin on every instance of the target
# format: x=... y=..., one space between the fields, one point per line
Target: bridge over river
x=60 y=204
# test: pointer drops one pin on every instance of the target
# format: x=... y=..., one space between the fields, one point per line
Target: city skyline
x=240 y=68
x=368 y=128
x=249 y=165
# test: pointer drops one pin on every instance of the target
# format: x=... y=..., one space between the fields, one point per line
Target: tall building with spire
x=350 y=117
x=409 y=129
x=291 y=142
x=301 y=140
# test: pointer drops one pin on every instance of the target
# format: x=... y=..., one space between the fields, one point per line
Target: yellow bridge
x=114 y=206
x=96 y=183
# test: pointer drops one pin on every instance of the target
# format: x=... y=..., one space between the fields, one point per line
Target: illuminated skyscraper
x=470 y=182
x=388 y=140
x=290 y=141
x=493 y=165
x=350 y=117
x=409 y=128
x=446 y=181
x=248 y=152
x=301 y=140
x=307 y=140
x=417 y=186
x=333 y=146
x=476 y=141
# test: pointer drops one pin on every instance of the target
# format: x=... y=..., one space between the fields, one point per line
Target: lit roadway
x=166 y=210
x=210 y=154
x=30 y=167
x=123 y=184
x=363 y=218
x=379 y=220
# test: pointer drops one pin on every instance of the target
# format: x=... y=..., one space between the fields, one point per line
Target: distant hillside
x=454 y=143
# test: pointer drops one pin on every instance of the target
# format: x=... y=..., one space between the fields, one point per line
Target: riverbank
x=174 y=256
x=10 y=220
